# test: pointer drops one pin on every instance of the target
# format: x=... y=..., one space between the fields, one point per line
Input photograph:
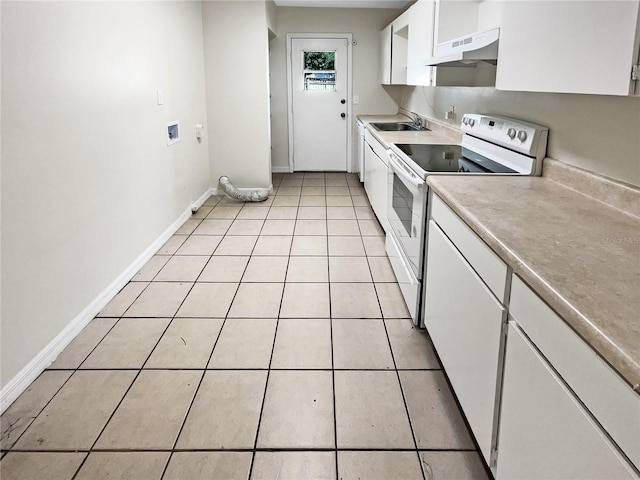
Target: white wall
x=272 y=20
x=236 y=66
x=365 y=25
x=88 y=182
x=595 y=132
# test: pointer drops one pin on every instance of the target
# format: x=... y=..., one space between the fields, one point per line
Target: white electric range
x=491 y=145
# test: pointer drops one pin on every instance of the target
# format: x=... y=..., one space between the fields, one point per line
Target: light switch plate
x=160 y=97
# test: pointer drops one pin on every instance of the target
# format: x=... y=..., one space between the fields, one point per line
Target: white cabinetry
x=394 y=45
x=385 y=55
x=361 y=127
x=541 y=403
x=393 y=51
x=406 y=44
x=399 y=48
x=544 y=430
x=375 y=177
x=420 y=42
x=464 y=318
x=572 y=397
x=458 y=18
x=583 y=46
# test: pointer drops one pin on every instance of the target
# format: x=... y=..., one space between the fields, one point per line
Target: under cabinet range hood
x=467 y=51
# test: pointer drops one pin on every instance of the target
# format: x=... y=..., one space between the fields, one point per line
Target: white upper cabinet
x=586 y=46
x=393 y=51
x=399 y=48
x=409 y=42
x=420 y=42
x=406 y=43
x=385 y=55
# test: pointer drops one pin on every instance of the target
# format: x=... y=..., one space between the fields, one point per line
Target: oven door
x=406 y=202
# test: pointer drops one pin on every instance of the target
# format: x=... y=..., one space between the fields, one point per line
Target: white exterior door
x=319 y=95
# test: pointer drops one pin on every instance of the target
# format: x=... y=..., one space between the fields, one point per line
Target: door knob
x=343 y=101
x=343 y=115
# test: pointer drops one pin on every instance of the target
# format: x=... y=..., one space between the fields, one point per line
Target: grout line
x=404 y=399
x=293 y=369
x=224 y=319
x=243 y=450
x=134 y=380
x=193 y=399
x=5 y=451
x=78 y=368
x=195 y=393
x=273 y=346
x=150 y=353
x=333 y=365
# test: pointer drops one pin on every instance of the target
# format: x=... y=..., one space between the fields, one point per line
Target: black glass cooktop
x=449 y=158
x=433 y=158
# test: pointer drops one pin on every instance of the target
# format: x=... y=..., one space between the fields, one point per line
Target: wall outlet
x=451 y=114
x=356 y=99
x=160 y=97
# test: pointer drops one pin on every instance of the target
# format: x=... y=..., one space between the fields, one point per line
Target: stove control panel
x=524 y=137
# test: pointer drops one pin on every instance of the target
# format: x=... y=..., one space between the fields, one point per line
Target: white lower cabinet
x=464 y=320
x=369 y=163
x=545 y=433
x=375 y=178
x=541 y=403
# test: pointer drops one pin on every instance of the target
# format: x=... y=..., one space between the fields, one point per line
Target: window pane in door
x=319 y=71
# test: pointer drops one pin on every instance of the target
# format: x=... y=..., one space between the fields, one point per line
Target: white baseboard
x=203 y=198
x=19 y=383
x=276 y=169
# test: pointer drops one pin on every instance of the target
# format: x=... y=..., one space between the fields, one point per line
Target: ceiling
x=344 y=3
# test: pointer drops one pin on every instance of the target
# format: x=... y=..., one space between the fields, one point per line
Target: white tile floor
x=262 y=341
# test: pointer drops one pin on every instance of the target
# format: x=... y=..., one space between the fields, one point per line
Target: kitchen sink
x=398 y=127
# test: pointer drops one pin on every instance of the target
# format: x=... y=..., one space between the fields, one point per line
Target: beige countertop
x=439 y=134
x=580 y=255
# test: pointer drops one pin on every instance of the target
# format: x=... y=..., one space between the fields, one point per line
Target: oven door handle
x=394 y=163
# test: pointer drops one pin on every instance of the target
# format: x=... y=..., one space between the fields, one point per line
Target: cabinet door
x=399 y=49
x=375 y=184
x=464 y=321
x=378 y=200
x=568 y=46
x=369 y=163
x=544 y=431
x=385 y=56
x=420 y=46
x=600 y=389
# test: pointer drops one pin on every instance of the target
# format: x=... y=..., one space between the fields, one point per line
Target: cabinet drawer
x=484 y=261
x=379 y=149
x=598 y=386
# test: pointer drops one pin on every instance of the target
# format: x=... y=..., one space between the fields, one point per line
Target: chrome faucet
x=417 y=121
